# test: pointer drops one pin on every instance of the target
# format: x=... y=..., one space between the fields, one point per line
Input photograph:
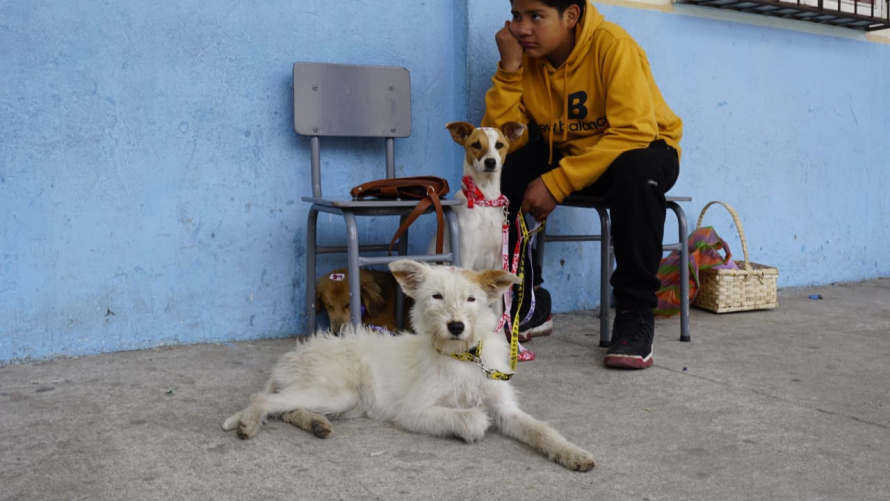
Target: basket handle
x=738 y=225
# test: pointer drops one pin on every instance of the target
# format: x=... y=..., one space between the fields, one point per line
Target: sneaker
x=524 y=354
x=541 y=323
x=632 y=335
x=545 y=328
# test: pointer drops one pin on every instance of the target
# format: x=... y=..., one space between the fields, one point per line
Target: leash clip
x=485 y=370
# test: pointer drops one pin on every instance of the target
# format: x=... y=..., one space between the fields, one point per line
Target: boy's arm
x=630 y=111
x=503 y=103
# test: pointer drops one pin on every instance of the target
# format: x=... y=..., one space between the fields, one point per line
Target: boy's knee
x=639 y=170
x=633 y=168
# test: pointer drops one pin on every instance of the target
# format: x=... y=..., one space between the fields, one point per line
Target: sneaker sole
x=523 y=337
x=544 y=329
x=628 y=361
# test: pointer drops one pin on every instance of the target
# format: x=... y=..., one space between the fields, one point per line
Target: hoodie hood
x=589 y=22
x=584 y=29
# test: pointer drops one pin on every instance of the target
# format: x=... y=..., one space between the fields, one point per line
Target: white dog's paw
x=248 y=428
x=575 y=459
x=232 y=422
x=474 y=423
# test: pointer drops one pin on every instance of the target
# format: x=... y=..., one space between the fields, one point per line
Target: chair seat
x=590 y=201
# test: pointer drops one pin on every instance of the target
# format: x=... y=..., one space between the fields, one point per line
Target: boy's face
x=542 y=31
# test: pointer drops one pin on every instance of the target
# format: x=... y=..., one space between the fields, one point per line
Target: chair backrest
x=354 y=101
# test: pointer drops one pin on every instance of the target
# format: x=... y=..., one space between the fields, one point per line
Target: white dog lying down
x=413 y=381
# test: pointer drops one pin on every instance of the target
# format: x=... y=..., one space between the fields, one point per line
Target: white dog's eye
x=437 y=296
x=476 y=145
x=471 y=299
x=499 y=145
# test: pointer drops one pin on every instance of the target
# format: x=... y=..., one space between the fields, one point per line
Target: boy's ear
x=372 y=294
x=572 y=15
x=513 y=130
x=495 y=283
x=460 y=131
x=409 y=274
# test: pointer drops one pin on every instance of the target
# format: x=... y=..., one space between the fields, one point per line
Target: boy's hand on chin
x=537 y=200
x=509 y=47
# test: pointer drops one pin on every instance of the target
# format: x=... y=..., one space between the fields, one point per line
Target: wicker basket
x=751 y=287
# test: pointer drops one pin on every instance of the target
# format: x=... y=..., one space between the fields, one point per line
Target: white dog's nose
x=490 y=163
x=456 y=328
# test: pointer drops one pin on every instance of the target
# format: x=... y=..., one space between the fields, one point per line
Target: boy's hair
x=562 y=5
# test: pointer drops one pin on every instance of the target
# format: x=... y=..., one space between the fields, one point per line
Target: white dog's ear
x=460 y=131
x=495 y=283
x=513 y=130
x=409 y=274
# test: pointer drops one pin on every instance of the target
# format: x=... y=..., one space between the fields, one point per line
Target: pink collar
x=476 y=197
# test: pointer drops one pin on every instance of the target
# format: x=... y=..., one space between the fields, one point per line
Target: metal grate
x=865 y=15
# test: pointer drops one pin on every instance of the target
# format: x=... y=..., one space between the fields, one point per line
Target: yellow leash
x=524 y=238
x=519 y=263
x=473 y=356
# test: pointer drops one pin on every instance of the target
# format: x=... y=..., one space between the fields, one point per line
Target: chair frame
x=607 y=256
x=321 y=91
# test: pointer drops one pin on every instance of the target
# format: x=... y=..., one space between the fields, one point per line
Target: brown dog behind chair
x=378 y=296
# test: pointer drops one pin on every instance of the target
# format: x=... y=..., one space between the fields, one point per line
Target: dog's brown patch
x=477 y=146
x=494 y=282
x=477 y=143
x=460 y=131
x=377 y=295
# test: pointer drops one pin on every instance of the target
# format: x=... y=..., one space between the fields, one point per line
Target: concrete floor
x=783 y=404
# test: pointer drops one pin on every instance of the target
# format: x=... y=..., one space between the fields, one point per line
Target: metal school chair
x=357 y=101
x=607 y=256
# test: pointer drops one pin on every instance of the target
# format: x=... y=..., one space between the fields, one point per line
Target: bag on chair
x=427 y=189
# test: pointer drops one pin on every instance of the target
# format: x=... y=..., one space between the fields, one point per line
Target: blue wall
x=150 y=178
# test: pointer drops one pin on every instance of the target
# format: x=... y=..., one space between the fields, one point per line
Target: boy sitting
x=598 y=125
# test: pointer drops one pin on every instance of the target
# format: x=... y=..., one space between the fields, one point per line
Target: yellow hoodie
x=612 y=100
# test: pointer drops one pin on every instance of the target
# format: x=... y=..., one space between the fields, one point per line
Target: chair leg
x=311 y=243
x=538 y=255
x=400 y=296
x=605 y=274
x=453 y=235
x=684 y=272
x=355 y=296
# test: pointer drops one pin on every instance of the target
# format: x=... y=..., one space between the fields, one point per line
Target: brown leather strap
x=426 y=189
x=440 y=221
x=401 y=187
x=431 y=199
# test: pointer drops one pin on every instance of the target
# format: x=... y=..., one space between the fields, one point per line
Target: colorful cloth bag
x=704 y=253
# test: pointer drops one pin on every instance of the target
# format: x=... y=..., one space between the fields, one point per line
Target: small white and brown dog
x=426 y=383
x=480 y=219
x=377 y=293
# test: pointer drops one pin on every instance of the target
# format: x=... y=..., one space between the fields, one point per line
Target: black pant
x=634 y=187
